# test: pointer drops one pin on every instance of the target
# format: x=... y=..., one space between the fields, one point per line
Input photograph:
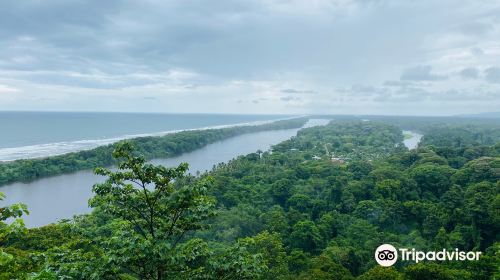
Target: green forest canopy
x=296 y=212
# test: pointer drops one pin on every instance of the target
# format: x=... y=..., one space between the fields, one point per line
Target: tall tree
x=153 y=207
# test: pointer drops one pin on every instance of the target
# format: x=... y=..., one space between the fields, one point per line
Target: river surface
x=412 y=143
x=60 y=197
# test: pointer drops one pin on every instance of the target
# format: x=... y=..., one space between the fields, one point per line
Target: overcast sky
x=261 y=56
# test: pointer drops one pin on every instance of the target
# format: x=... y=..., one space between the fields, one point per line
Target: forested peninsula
x=150 y=147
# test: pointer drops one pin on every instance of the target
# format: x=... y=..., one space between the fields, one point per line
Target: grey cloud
x=477 y=51
x=112 y=36
x=421 y=73
x=50 y=19
x=459 y=95
x=393 y=83
x=382 y=97
x=475 y=28
x=289 y=98
x=411 y=94
x=469 y=73
x=363 y=92
x=362 y=88
x=392 y=91
x=118 y=44
x=417 y=94
x=394 y=97
x=227 y=39
x=492 y=74
x=406 y=94
x=94 y=80
x=452 y=95
x=298 y=91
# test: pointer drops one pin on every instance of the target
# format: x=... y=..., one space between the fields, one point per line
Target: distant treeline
x=439 y=132
x=151 y=147
x=456 y=132
x=452 y=132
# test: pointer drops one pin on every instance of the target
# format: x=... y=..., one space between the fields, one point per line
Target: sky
x=385 y=57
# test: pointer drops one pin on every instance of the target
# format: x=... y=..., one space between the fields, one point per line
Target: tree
x=482 y=207
x=389 y=189
x=153 y=208
x=475 y=171
x=306 y=236
x=324 y=268
x=11 y=265
x=345 y=256
x=269 y=246
x=381 y=273
x=280 y=190
x=275 y=220
x=424 y=271
x=433 y=179
x=441 y=240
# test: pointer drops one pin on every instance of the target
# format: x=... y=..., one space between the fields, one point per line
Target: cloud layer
x=263 y=56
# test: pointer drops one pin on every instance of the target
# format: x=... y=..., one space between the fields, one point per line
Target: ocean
x=41 y=134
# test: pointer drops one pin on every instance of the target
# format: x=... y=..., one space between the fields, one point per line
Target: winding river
x=60 y=197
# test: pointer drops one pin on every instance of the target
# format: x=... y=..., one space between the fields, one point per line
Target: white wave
x=59 y=148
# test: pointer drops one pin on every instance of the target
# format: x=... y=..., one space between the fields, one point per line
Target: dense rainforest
x=313 y=207
x=151 y=147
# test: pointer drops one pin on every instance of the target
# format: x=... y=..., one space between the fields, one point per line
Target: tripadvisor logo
x=387 y=255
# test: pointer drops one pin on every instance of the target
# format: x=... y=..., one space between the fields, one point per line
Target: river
x=412 y=143
x=60 y=197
